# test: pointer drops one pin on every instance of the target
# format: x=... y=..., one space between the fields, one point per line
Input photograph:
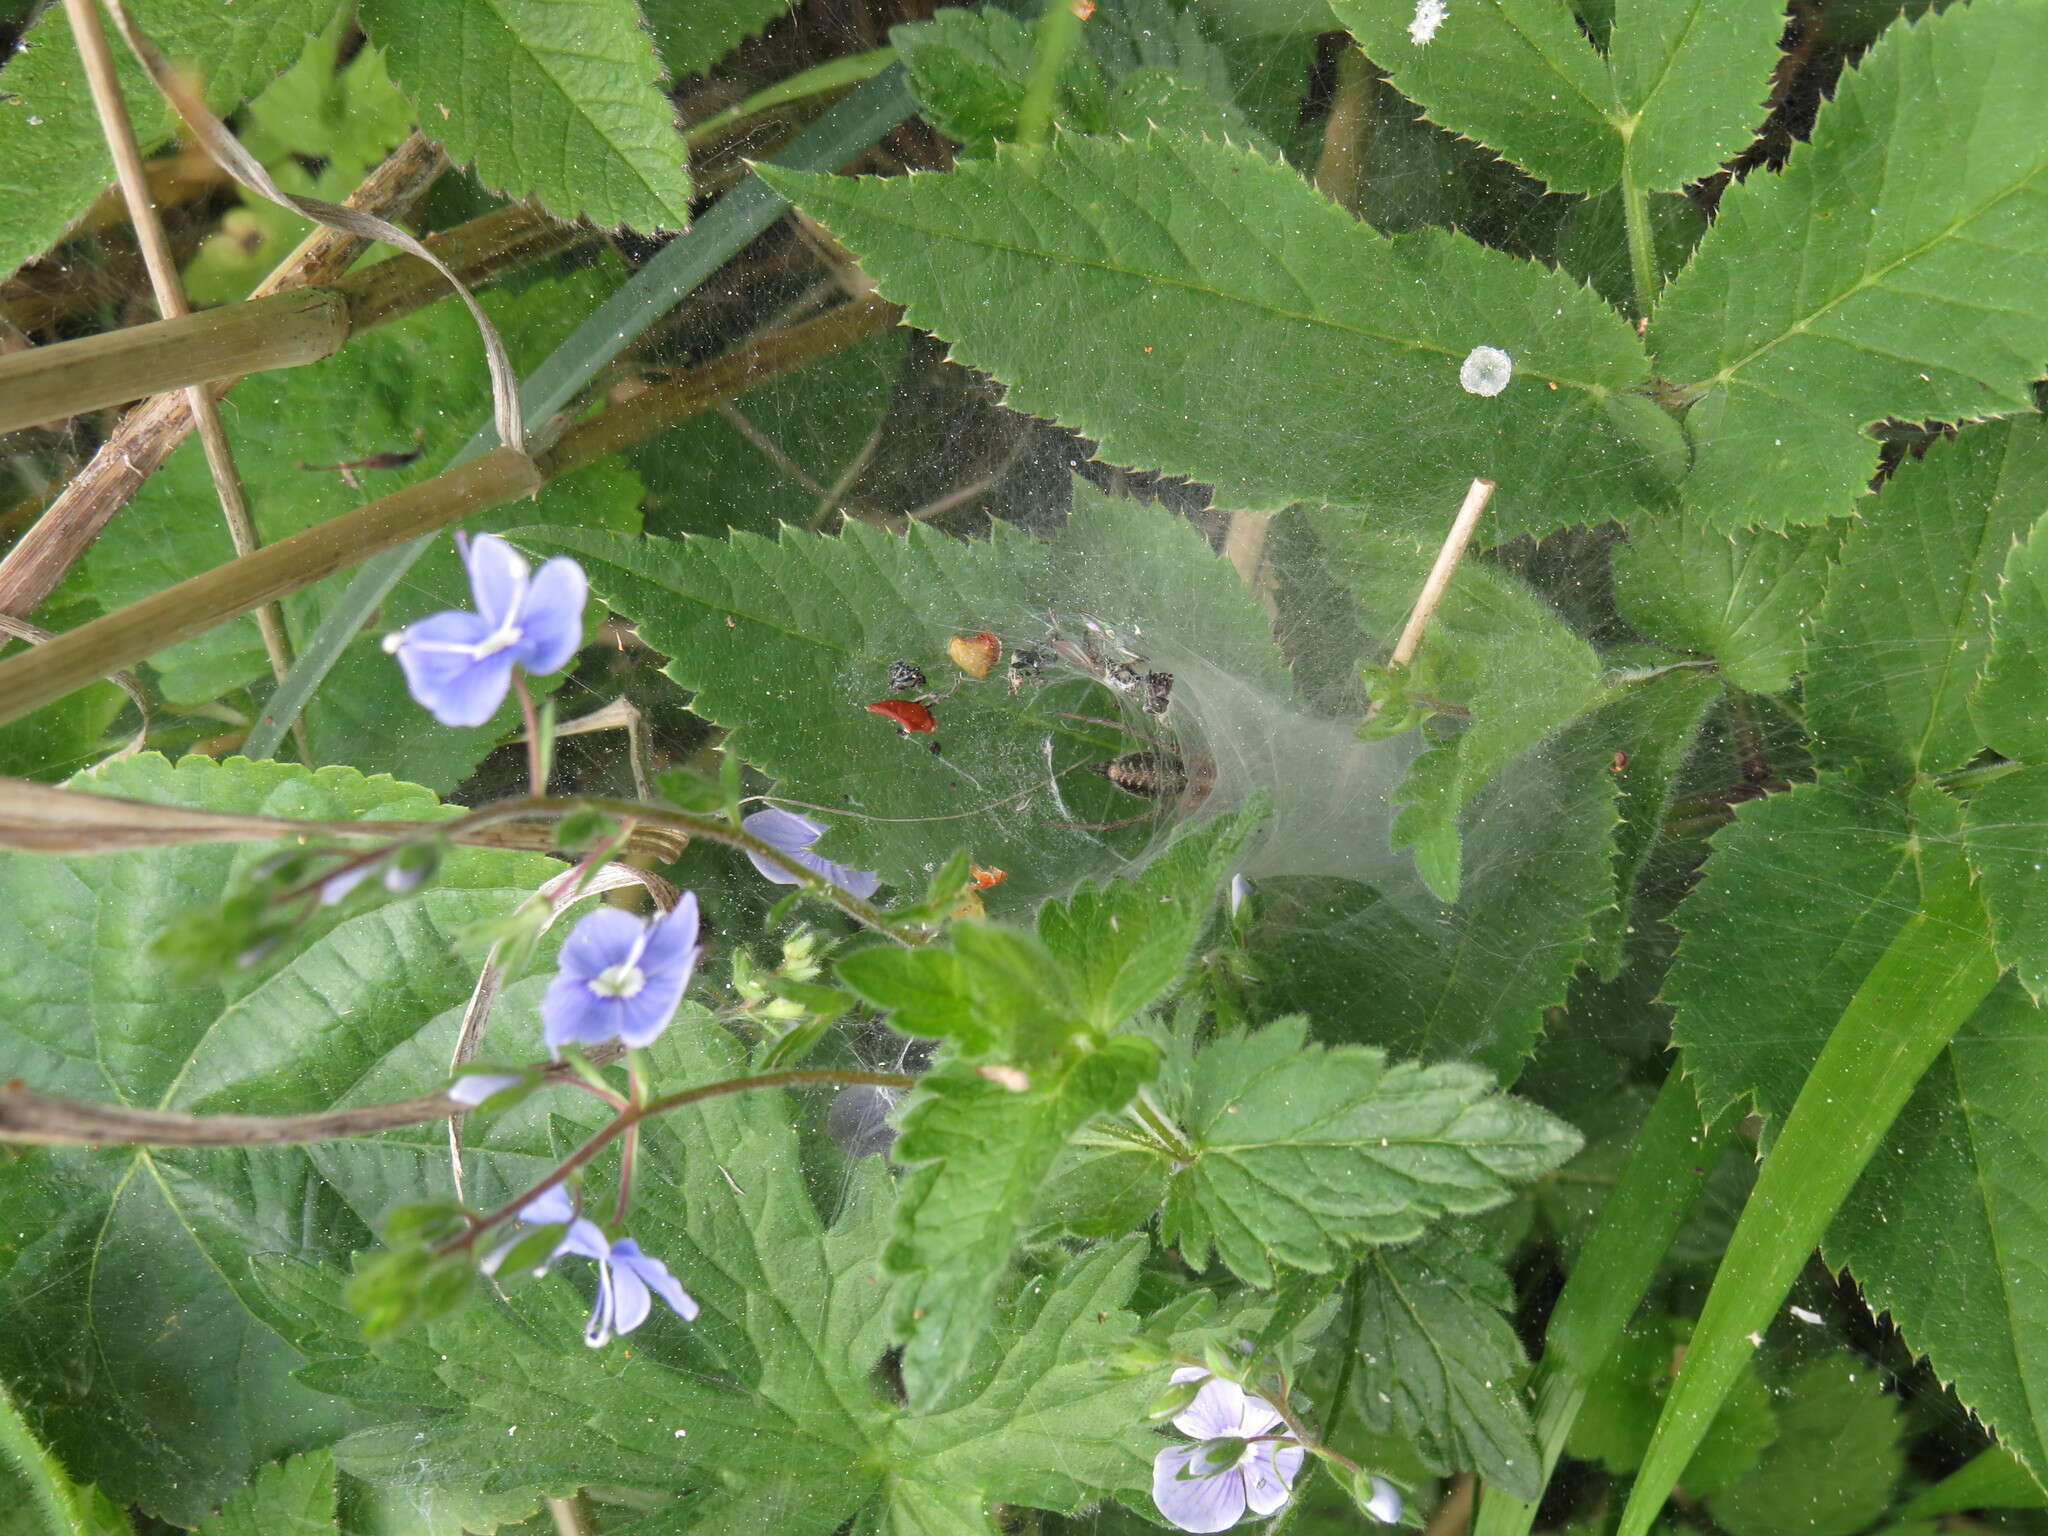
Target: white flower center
x=622 y=980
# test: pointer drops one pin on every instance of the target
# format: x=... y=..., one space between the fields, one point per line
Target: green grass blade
x=1932 y=977
x=653 y=291
x=1651 y=1200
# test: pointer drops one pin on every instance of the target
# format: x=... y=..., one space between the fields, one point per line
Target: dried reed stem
x=146 y=436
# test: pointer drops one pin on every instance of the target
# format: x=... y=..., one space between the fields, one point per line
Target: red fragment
x=984 y=878
x=908 y=713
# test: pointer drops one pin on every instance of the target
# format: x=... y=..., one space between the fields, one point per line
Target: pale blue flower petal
x=1217 y=1411
x=1385 y=1503
x=472 y=1088
x=1267 y=1479
x=497 y=579
x=551 y=623
x=793 y=835
x=1195 y=1503
x=599 y=941
x=454 y=685
x=652 y=1272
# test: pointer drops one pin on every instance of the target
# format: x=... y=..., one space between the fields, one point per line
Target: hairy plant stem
x=536 y=750
x=34 y=1119
x=1059 y=29
x=633 y=1114
x=1642 y=253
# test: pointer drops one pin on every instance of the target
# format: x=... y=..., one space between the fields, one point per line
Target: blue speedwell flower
x=459 y=664
x=621 y=977
x=627 y=1282
x=1237 y=1463
x=794 y=834
x=627 y=1279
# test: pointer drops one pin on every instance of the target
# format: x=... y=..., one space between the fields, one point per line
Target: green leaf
x=693 y=35
x=1440 y=1366
x=1622 y=1399
x=292 y=1498
x=1858 y=287
x=1290 y=347
x=550 y=99
x=2010 y=706
x=1126 y=941
x=1472 y=980
x=1921 y=990
x=703 y=475
x=1655 y=725
x=1679 y=91
x=53 y=158
x=2006 y=836
x=60 y=739
x=372 y=397
x=1808 y=888
x=1742 y=598
x=1893 y=655
x=1992 y=1479
x=979 y=1151
x=784 y=643
x=1304 y=1153
x=1836 y=1461
x=131 y=1265
x=40 y=1496
x=1944 y=1233
x=969 y=70
x=765 y=1406
x=1495 y=652
x=995 y=993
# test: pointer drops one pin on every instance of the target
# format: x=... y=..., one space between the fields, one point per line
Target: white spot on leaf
x=1429 y=15
x=1485 y=371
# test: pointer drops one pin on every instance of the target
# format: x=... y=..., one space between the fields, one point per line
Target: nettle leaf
x=373 y=397
x=1893 y=654
x=764 y=1408
x=53 y=157
x=1440 y=1366
x=41 y=1497
x=2006 y=837
x=1858 y=287
x=1393 y=966
x=693 y=35
x=1836 y=1460
x=1655 y=725
x=1126 y=941
x=1495 y=651
x=993 y=992
x=1303 y=1153
x=292 y=1498
x=1744 y=598
x=1679 y=90
x=550 y=99
x=2010 y=706
x=978 y=1151
x=1219 y=319
x=127 y=1268
x=785 y=644
x=1807 y=888
x=1944 y=1231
